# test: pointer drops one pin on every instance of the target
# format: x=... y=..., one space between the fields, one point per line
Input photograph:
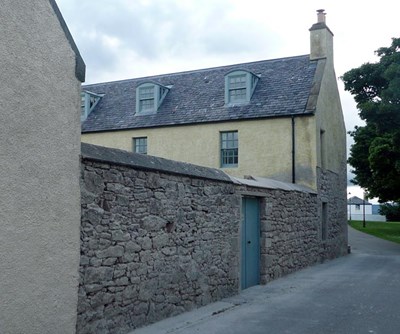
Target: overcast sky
x=121 y=39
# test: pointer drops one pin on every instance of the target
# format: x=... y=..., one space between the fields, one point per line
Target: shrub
x=391 y=211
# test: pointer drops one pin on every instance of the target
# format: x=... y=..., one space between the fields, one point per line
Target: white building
x=358 y=208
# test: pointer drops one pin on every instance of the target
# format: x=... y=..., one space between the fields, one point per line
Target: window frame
x=249 y=86
x=229 y=154
x=138 y=143
x=146 y=94
x=89 y=100
x=159 y=93
x=324 y=221
x=322 y=148
x=235 y=86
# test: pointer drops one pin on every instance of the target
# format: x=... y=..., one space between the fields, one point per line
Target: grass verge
x=388 y=231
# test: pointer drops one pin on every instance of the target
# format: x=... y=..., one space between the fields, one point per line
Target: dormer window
x=88 y=101
x=149 y=97
x=239 y=87
x=146 y=98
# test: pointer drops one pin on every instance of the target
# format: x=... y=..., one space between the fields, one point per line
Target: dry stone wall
x=160 y=237
x=153 y=245
x=332 y=191
x=289 y=233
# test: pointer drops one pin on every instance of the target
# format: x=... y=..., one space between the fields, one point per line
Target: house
x=358 y=206
x=162 y=232
x=359 y=209
x=375 y=209
x=278 y=118
x=300 y=115
x=41 y=75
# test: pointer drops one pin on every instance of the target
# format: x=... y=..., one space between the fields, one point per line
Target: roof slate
x=357 y=201
x=199 y=96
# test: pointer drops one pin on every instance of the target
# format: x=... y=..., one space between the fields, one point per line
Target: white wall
x=359 y=209
x=39 y=154
x=355 y=212
x=369 y=217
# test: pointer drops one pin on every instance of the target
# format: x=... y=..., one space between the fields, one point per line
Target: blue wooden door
x=250 y=268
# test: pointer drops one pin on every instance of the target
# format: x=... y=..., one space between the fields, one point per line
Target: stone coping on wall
x=261 y=182
x=147 y=162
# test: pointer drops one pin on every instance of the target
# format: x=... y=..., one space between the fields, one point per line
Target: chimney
x=321 y=15
x=321 y=39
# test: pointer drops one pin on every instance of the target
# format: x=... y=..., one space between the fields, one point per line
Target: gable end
x=80 y=67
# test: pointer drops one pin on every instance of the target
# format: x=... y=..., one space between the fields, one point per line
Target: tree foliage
x=391 y=211
x=375 y=154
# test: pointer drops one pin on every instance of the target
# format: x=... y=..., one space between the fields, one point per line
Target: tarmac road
x=358 y=293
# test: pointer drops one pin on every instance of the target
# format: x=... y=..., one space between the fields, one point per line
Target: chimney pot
x=321 y=39
x=321 y=15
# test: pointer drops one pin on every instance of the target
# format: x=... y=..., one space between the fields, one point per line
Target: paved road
x=358 y=293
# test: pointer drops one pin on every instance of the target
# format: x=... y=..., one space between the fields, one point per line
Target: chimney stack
x=321 y=15
x=321 y=39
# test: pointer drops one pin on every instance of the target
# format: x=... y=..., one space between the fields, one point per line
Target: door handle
x=249 y=242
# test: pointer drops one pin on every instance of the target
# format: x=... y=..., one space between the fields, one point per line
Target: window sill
x=146 y=113
x=237 y=104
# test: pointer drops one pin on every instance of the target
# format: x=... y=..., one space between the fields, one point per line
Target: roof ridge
x=195 y=71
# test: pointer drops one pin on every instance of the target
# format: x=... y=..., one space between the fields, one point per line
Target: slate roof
x=262 y=182
x=357 y=200
x=199 y=96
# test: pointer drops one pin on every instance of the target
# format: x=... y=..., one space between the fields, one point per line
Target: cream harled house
x=279 y=119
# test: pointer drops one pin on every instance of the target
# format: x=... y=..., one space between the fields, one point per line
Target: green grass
x=388 y=231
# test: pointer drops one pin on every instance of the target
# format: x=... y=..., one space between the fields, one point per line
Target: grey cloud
x=158 y=29
x=136 y=26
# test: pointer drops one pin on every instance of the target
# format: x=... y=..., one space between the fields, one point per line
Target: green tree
x=391 y=211
x=375 y=154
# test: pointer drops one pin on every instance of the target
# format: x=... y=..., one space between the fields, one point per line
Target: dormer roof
x=282 y=89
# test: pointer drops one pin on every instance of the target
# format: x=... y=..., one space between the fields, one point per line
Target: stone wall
x=153 y=245
x=332 y=191
x=289 y=231
x=160 y=237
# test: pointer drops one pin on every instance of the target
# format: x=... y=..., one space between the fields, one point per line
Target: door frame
x=259 y=197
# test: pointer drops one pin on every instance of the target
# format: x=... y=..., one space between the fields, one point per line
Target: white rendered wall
x=39 y=154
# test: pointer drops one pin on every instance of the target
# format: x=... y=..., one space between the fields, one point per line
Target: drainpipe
x=293 y=152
